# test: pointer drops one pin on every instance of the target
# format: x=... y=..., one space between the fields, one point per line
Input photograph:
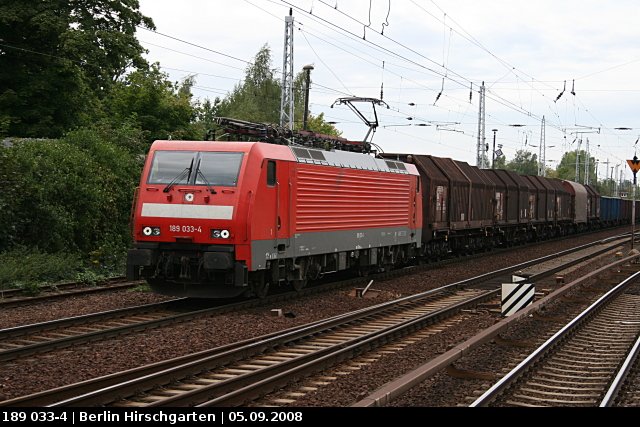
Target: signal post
x=634 y=164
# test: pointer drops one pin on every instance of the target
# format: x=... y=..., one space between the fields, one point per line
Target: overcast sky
x=524 y=51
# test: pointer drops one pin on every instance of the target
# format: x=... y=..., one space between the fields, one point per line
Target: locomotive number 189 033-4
x=185 y=228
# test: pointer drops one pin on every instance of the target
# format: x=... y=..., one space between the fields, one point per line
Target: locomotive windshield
x=214 y=168
x=219 y=169
x=170 y=165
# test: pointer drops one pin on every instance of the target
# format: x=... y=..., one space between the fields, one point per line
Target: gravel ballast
x=33 y=374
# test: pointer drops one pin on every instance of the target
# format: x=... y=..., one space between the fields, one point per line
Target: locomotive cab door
x=279 y=193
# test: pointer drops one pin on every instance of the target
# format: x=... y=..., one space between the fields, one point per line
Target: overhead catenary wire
x=468 y=86
x=325 y=64
x=501 y=100
x=191 y=55
x=417 y=83
x=195 y=45
x=493 y=96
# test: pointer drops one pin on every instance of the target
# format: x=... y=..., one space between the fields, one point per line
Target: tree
x=524 y=163
x=499 y=162
x=318 y=124
x=59 y=58
x=257 y=98
x=567 y=166
x=206 y=112
x=162 y=109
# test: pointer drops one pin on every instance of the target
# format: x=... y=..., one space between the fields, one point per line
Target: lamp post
x=493 y=159
x=307 y=69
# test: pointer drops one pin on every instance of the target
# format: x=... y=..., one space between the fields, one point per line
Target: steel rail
x=66 y=325
x=390 y=391
x=75 y=338
x=13 y=297
x=612 y=393
x=268 y=375
x=290 y=334
x=318 y=362
x=571 y=327
x=273 y=298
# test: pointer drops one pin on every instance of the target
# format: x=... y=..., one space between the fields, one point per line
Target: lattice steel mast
x=286 y=100
x=481 y=147
x=543 y=151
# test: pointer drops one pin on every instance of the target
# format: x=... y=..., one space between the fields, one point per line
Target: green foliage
x=60 y=58
x=607 y=187
x=142 y=287
x=89 y=277
x=567 y=167
x=71 y=195
x=205 y=113
x=26 y=268
x=318 y=124
x=551 y=173
x=524 y=163
x=43 y=99
x=500 y=162
x=30 y=288
x=257 y=98
x=162 y=110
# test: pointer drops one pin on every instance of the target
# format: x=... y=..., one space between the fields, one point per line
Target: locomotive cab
x=189 y=233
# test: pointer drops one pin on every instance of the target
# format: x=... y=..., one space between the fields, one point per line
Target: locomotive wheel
x=260 y=287
x=299 y=284
x=364 y=271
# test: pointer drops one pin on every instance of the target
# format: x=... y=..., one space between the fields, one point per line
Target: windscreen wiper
x=199 y=173
x=186 y=172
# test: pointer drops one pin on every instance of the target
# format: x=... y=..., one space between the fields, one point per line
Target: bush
x=71 y=195
x=89 y=277
x=66 y=203
x=27 y=268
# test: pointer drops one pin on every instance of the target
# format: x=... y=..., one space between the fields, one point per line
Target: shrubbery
x=26 y=268
x=67 y=199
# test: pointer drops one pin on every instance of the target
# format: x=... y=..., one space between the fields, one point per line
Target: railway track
x=241 y=372
x=576 y=366
x=56 y=334
x=388 y=393
x=15 y=297
x=235 y=373
x=48 y=336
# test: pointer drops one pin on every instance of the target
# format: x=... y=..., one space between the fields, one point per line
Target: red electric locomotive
x=222 y=219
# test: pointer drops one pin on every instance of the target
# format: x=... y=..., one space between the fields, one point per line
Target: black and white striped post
x=518 y=294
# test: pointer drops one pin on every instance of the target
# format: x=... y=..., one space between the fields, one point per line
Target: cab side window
x=271 y=173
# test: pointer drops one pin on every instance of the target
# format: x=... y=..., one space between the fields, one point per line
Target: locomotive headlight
x=220 y=234
x=151 y=231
